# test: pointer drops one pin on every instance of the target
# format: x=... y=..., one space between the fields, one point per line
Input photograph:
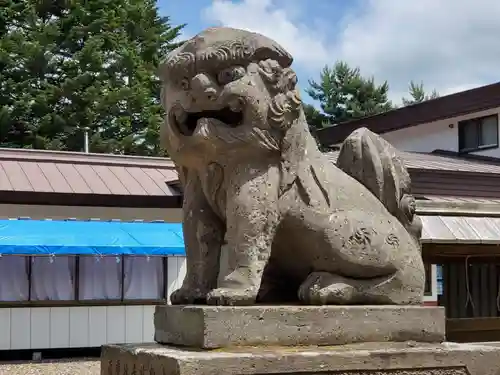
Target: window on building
x=478 y=133
x=50 y=280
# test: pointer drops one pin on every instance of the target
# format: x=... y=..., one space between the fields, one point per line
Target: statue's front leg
x=252 y=218
x=203 y=233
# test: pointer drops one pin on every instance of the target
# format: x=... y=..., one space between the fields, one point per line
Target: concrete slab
x=355 y=359
x=226 y=326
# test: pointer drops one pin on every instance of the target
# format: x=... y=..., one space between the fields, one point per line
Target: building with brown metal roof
x=440 y=112
x=458 y=200
x=450 y=146
x=82 y=272
x=61 y=185
x=52 y=184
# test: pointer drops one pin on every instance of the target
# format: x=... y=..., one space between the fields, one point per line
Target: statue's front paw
x=232 y=297
x=187 y=296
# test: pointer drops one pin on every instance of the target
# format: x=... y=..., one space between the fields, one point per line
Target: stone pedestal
x=354 y=359
x=210 y=327
x=355 y=340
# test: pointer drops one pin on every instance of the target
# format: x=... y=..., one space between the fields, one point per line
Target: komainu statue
x=267 y=217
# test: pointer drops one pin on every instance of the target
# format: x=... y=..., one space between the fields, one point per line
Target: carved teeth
x=180 y=115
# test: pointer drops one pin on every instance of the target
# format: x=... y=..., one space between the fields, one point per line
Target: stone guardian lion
x=267 y=217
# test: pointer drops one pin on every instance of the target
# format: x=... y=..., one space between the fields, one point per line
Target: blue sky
x=202 y=14
x=446 y=44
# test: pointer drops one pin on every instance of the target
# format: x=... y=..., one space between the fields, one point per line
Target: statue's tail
x=374 y=162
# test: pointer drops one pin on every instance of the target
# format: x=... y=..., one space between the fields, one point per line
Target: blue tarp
x=45 y=237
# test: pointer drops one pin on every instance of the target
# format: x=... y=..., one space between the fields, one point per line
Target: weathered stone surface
x=422 y=371
x=226 y=326
x=267 y=217
x=360 y=359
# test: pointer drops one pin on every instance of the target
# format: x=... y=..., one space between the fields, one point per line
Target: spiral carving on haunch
x=267 y=217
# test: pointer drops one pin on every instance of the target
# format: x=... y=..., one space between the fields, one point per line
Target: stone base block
x=355 y=359
x=211 y=327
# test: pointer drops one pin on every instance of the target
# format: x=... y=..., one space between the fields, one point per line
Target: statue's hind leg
x=324 y=288
x=358 y=258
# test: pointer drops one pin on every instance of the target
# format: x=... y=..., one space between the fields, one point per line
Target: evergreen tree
x=68 y=64
x=344 y=94
x=418 y=94
x=315 y=118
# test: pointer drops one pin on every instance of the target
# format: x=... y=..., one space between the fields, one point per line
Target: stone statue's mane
x=192 y=57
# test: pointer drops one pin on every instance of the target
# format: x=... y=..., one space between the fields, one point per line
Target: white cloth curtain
x=14 y=278
x=100 y=278
x=53 y=278
x=143 y=277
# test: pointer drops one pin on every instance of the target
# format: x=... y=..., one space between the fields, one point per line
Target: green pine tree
x=418 y=95
x=344 y=94
x=315 y=119
x=68 y=64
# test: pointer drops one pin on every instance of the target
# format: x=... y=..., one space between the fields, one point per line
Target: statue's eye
x=230 y=74
x=184 y=83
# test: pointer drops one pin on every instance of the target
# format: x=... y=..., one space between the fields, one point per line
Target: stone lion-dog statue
x=267 y=217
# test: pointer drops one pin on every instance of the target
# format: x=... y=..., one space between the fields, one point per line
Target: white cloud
x=183 y=35
x=447 y=44
x=450 y=45
x=263 y=17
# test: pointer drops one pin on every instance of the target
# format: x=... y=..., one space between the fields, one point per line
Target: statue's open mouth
x=188 y=121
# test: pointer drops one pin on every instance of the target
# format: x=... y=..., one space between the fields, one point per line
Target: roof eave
x=449 y=106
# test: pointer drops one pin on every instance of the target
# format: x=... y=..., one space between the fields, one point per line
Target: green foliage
x=418 y=95
x=344 y=94
x=315 y=118
x=70 y=64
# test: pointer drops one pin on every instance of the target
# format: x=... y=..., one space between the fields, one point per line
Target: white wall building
x=67 y=281
x=461 y=130
x=465 y=123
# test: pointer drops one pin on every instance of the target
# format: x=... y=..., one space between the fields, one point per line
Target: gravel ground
x=52 y=367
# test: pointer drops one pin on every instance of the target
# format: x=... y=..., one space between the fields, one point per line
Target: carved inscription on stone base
x=421 y=371
x=118 y=368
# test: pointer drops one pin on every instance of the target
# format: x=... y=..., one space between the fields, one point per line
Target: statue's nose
x=204 y=87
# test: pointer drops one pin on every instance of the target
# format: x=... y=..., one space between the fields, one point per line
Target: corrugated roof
x=459 y=200
x=427 y=161
x=460 y=229
x=74 y=172
x=117 y=175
